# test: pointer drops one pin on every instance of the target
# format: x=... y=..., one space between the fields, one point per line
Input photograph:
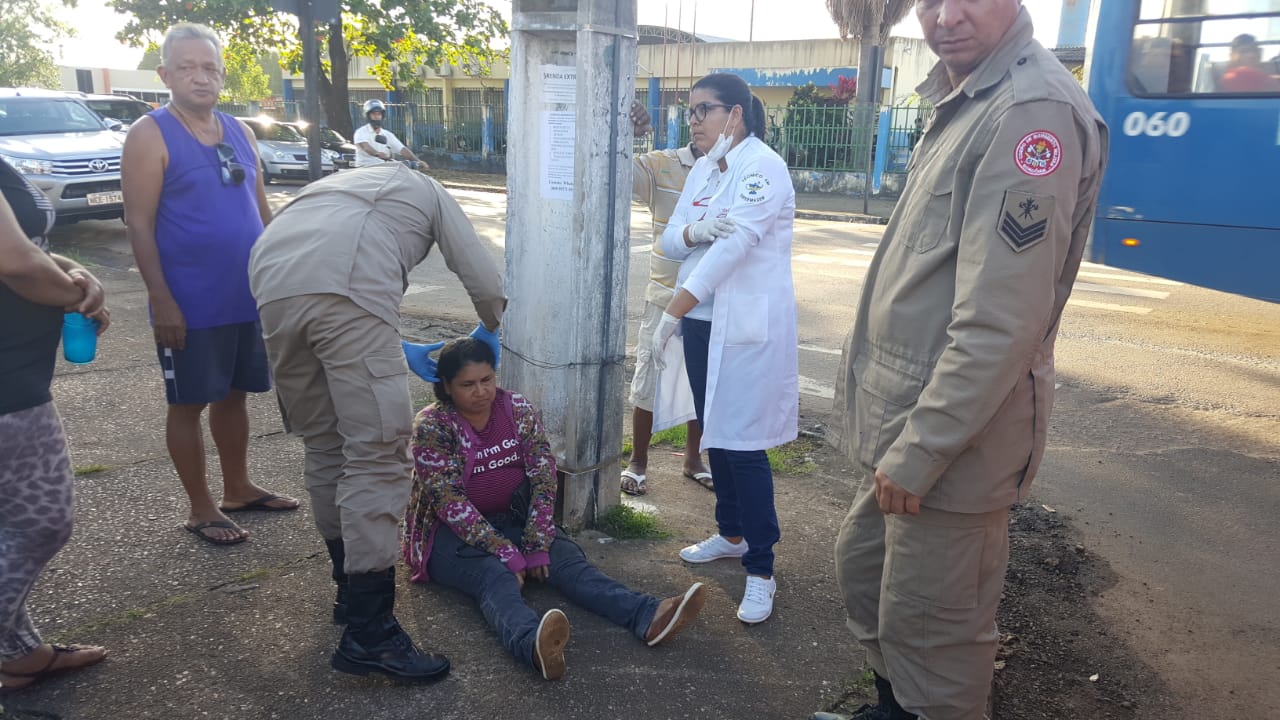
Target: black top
x=29 y=333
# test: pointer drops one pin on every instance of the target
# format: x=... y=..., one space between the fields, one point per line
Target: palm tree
x=870 y=22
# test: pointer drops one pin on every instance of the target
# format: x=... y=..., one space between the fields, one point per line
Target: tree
x=246 y=79
x=26 y=28
x=402 y=37
x=870 y=21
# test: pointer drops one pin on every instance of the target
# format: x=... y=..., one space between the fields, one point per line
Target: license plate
x=115 y=197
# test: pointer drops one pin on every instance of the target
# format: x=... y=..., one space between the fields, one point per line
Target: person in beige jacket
x=328 y=275
x=947 y=377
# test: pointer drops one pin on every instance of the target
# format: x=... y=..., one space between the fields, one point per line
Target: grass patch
x=675 y=436
x=794 y=458
x=627 y=447
x=91 y=469
x=627 y=523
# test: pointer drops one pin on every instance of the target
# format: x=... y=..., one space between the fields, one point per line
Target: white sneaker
x=713 y=548
x=757 y=600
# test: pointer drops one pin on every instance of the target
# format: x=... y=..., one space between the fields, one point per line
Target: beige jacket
x=947 y=377
x=358 y=233
x=657 y=179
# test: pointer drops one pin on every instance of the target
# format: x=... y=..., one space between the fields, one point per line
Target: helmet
x=371 y=105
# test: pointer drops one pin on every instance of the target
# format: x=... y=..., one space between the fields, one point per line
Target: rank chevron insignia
x=1024 y=219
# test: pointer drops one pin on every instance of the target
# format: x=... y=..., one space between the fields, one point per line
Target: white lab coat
x=753 y=381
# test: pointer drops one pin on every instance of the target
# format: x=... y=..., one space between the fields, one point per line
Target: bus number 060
x=1157 y=124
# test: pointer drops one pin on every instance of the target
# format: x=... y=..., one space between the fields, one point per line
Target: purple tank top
x=205 y=229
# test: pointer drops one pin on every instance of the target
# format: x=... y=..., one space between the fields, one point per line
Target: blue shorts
x=216 y=361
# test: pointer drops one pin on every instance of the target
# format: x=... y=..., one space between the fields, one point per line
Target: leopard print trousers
x=35 y=515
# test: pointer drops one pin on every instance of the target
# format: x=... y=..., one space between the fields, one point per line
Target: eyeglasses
x=232 y=171
x=699 y=112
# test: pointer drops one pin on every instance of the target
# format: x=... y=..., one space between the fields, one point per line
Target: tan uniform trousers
x=343 y=385
x=921 y=594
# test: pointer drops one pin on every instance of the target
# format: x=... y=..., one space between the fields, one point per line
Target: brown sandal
x=49 y=670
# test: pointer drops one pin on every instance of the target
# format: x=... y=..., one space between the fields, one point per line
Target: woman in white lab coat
x=735 y=308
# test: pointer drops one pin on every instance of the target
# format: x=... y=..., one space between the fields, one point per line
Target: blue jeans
x=486 y=580
x=743 y=478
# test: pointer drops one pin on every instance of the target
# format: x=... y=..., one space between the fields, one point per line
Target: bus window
x=1183 y=47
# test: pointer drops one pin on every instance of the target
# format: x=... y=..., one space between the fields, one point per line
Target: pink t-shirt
x=499 y=467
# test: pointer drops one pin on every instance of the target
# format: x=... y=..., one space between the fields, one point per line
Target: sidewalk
x=198 y=631
x=809 y=206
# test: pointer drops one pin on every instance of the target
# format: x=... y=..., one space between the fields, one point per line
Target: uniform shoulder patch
x=753 y=188
x=1024 y=218
x=1038 y=153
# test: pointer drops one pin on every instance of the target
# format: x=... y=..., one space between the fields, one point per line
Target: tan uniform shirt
x=657 y=179
x=948 y=373
x=358 y=234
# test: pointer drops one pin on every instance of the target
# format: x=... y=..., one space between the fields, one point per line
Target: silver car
x=65 y=149
x=283 y=151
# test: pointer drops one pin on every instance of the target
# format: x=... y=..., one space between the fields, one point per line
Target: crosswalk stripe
x=809 y=386
x=1129 y=278
x=820 y=260
x=855 y=251
x=1114 y=290
x=637 y=249
x=815 y=348
x=415 y=288
x=1133 y=309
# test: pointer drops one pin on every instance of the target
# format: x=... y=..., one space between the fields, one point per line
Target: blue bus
x=1191 y=92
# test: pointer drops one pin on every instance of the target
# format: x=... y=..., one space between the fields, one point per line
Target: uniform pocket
x=389 y=383
x=746 y=319
x=1042 y=379
x=937 y=565
x=885 y=394
x=934 y=218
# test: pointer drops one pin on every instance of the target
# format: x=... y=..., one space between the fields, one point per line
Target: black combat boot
x=374 y=641
x=338 y=554
x=886 y=707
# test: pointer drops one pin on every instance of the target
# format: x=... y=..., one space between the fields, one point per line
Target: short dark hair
x=1245 y=41
x=455 y=355
x=732 y=90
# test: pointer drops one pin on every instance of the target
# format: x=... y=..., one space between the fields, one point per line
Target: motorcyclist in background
x=375 y=144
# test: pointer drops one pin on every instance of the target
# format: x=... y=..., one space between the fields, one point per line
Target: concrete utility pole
x=310 y=12
x=568 y=234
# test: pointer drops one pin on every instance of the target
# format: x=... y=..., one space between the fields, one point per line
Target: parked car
x=331 y=139
x=65 y=149
x=122 y=109
x=283 y=151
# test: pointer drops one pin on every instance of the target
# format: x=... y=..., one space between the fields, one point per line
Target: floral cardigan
x=444 y=451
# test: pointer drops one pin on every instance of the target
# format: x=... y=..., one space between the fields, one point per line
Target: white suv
x=65 y=149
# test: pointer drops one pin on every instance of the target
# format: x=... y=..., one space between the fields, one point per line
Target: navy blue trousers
x=743 y=479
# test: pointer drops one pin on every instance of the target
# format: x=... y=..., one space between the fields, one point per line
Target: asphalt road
x=1164 y=448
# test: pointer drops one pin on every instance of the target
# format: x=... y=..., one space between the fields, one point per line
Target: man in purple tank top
x=194 y=206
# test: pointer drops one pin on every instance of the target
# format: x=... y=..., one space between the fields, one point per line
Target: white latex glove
x=668 y=326
x=708 y=230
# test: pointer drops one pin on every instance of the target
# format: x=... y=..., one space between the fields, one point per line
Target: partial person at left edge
x=194 y=207
x=36 y=288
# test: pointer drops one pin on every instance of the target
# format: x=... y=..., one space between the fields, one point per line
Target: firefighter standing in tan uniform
x=657 y=179
x=947 y=377
x=329 y=276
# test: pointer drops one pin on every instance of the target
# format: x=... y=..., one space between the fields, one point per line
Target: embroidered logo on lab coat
x=754 y=188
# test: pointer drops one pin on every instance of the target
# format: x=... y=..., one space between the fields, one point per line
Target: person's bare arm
x=142 y=166
x=28 y=271
x=264 y=207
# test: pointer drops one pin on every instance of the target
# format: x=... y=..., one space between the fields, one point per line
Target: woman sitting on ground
x=484 y=487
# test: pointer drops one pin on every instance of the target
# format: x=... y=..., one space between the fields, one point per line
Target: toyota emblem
x=98 y=165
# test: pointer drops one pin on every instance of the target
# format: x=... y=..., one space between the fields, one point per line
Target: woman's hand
x=540 y=573
x=520 y=579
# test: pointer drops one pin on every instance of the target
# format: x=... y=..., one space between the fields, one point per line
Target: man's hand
x=640 y=125
x=490 y=338
x=708 y=230
x=520 y=579
x=894 y=500
x=168 y=324
x=94 y=295
x=419 y=358
x=540 y=573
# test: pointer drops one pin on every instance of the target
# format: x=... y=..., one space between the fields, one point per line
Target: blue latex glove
x=419 y=357
x=491 y=339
